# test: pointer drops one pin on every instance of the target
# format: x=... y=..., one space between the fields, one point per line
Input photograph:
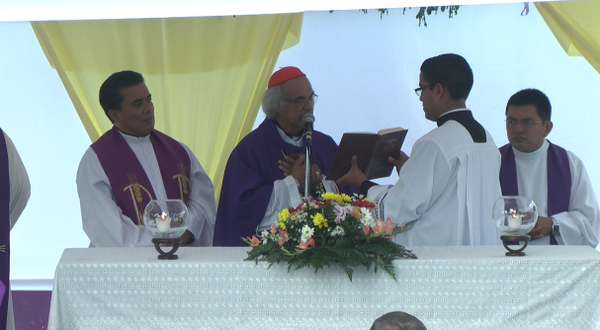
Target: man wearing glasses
x=553 y=177
x=265 y=172
x=447 y=189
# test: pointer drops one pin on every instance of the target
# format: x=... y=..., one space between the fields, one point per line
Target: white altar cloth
x=553 y=287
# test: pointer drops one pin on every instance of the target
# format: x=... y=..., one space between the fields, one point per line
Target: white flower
x=307 y=233
x=264 y=233
x=367 y=218
x=301 y=217
x=338 y=231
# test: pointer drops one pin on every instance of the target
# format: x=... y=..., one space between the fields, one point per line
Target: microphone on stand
x=308 y=120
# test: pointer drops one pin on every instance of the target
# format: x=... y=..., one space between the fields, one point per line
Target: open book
x=372 y=151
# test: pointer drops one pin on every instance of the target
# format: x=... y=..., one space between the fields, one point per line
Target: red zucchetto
x=284 y=74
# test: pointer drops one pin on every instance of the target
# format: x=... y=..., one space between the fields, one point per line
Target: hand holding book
x=398 y=162
x=372 y=151
x=355 y=177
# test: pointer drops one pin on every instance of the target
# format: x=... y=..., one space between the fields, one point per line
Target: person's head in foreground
x=398 y=321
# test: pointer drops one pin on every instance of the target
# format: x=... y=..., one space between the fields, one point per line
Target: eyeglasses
x=419 y=90
x=300 y=101
x=525 y=122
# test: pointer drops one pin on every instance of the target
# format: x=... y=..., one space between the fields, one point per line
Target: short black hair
x=451 y=71
x=535 y=97
x=398 y=321
x=110 y=91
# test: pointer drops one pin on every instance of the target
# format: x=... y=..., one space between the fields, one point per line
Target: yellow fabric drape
x=206 y=75
x=575 y=26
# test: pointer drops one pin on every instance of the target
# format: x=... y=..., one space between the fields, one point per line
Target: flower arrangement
x=333 y=229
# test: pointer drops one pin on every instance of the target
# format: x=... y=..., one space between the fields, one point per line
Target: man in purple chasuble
x=553 y=177
x=134 y=163
x=265 y=171
x=14 y=194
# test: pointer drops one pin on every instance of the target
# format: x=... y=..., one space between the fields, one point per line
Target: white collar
x=296 y=140
x=542 y=150
x=131 y=138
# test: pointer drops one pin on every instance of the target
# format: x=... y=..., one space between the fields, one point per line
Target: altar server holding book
x=447 y=189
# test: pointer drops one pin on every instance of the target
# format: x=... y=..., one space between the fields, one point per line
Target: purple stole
x=130 y=184
x=4 y=230
x=558 y=178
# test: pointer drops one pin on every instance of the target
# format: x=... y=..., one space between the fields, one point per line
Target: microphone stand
x=308 y=143
x=308 y=120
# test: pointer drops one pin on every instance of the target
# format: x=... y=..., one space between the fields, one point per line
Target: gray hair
x=273 y=101
x=398 y=321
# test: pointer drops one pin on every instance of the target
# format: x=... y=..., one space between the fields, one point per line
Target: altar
x=553 y=287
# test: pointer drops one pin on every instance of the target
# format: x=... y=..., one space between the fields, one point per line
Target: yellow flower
x=283 y=215
x=338 y=198
x=319 y=220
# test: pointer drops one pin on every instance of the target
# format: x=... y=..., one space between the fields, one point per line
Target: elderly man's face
x=295 y=90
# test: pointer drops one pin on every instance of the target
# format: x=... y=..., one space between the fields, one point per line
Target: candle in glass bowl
x=515 y=221
x=163 y=223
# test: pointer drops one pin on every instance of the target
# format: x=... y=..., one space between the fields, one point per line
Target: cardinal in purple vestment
x=265 y=172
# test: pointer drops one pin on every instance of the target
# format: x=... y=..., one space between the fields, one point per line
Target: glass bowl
x=167 y=218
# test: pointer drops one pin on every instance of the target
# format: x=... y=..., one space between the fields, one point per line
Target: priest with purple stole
x=553 y=177
x=134 y=163
x=265 y=172
x=14 y=194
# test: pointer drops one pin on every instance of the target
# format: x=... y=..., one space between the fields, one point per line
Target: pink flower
x=305 y=244
x=341 y=212
x=273 y=228
x=388 y=227
x=366 y=229
x=254 y=241
x=379 y=227
x=283 y=237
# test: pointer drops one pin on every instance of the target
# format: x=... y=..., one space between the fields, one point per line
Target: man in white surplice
x=134 y=163
x=447 y=189
x=553 y=177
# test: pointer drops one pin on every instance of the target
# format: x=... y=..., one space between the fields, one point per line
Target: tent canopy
x=43 y=10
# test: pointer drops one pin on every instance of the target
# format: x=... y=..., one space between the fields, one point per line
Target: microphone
x=308 y=120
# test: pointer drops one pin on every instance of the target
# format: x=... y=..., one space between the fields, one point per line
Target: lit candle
x=515 y=221
x=163 y=223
